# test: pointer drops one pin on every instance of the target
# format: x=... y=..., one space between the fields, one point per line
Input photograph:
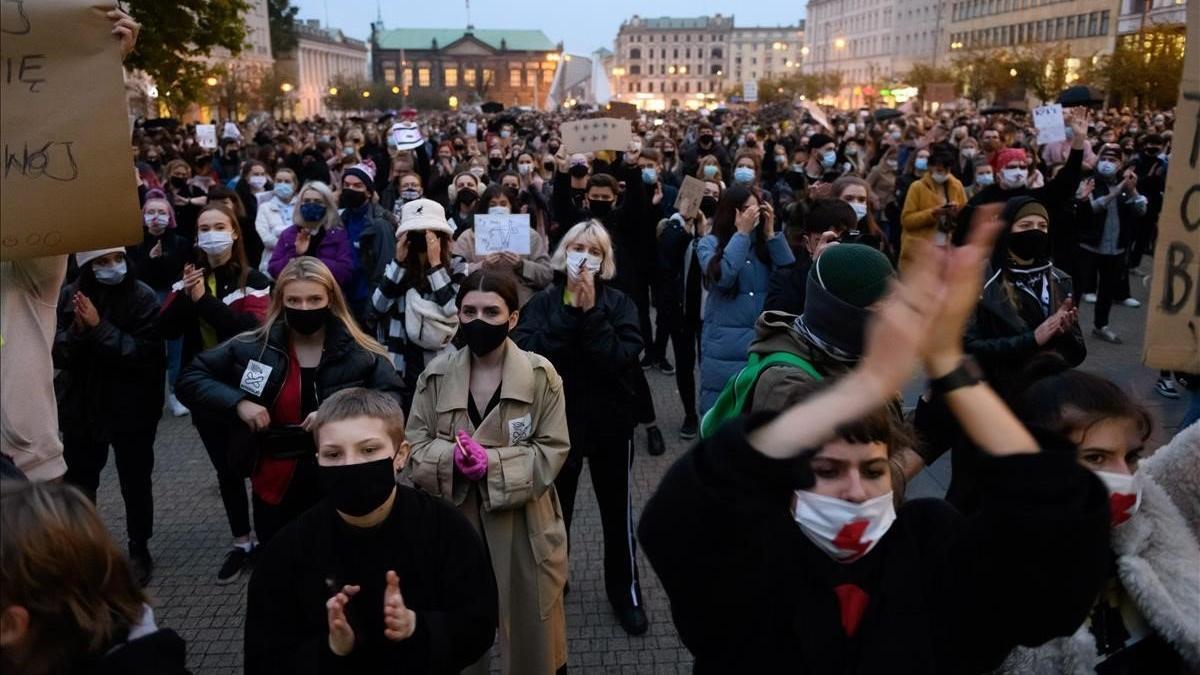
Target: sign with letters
x=750 y=91
x=495 y=233
x=1051 y=128
x=66 y=183
x=596 y=134
x=206 y=136
x=1173 y=320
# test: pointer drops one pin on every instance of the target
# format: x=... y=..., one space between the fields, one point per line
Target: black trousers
x=1111 y=270
x=303 y=492
x=685 y=340
x=641 y=298
x=230 y=480
x=611 y=462
x=134 y=452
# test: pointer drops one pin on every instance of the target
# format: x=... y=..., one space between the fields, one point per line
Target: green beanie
x=857 y=275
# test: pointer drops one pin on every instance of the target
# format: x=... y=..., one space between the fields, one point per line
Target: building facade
x=1138 y=14
x=513 y=67
x=666 y=62
x=918 y=35
x=855 y=38
x=321 y=56
x=1086 y=29
x=764 y=53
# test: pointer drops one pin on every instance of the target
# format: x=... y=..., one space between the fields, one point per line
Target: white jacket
x=1176 y=467
x=1158 y=563
x=274 y=216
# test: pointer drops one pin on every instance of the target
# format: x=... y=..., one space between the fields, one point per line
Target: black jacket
x=111 y=375
x=1059 y=190
x=211 y=385
x=445 y=577
x=946 y=594
x=788 y=286
x=595 y=352
x=679 y=275
x=1092 y=228
x=231 y=311
x=162 y=272
x=691 y=153
x=162 y=652
x=631 y=225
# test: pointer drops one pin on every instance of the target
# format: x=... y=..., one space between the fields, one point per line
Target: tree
x=281 y=16
x=271 y=94
x=176 y=34
x=922 y=75
x=1145 y=69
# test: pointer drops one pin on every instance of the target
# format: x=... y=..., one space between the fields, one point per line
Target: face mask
x=578 y=170
x=798 y=168
x=110 y=276
x=844 y=530
x=1033 y=245
x=1014 y=178
x=940 y=178
x=215 y=242
x=708 y=206
x=348 y=150
x=495 y=162
x=284 y=191
x=649 y=176
x=599 y=208
x=668 y=153
x=312 y=213
x=178 y=182
x=358 y=489
x=860 y=209
x=306 y=321
x=157 y=222
x=895 y=135
x=851 y=151
x=1124 y=495
x=499 y=210
x=828 y=158
x=525 y=169
x=710 y=171
x=257 y=182
x=706 y=139
x=892 y=164
x=505 y=133
x=416 y=241
x=232 y=155
x=578 y=259
x=743 y=174
x=553 y=148
x=969 y=153
x=476 y=171
x=352 y=199
x=410 y=195
x=1106 y=168
x=985 y=179
x=921 y=164
x=467 y=196
x=781 y=160
x=483 y=338
x=548 y=166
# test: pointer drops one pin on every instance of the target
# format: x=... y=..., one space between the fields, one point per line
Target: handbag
x=425 y=324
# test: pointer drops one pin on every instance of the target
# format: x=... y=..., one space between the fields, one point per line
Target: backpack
x=732 y=400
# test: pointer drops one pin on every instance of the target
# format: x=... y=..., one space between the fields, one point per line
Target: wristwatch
x=966 y=374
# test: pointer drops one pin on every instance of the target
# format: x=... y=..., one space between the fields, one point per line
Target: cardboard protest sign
x=621 y=110
x=594 y=135
x=1050 y=125
x=502 y=233
x=64 y=129
x=687 y=203
x=206 y=136
x=816 y=113
x=939 y=92
x=750 y=91
x=1173 y=320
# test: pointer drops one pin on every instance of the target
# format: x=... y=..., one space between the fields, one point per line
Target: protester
x=931 y=206
x=276 y=214
x=252 y=243
x=531 y=269
x=315 y=231
x=371 y=233
x=186 y=197
x=489 y=433
x=463 y=194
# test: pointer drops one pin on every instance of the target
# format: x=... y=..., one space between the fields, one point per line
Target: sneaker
x=665 y=367
x=654 y=442
x=235 y=563
x=648 y=362
x=1131 y=302
x=633 y=620
x=177 y=409
x=1089 y=298
x=1105 y=333
x=141 y=563
x=1166 y=388
x=690 y=426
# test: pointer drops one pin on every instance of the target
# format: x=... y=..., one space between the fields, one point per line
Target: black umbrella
x=883 y=114
x=492 y=107
x=1003 y=110
x=161 y=123
x=1081 y=95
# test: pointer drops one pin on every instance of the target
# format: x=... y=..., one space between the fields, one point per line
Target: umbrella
x=883 y=114
x=1003 y=109
x=1081 y=95
x=492 y=107
x=161 y=123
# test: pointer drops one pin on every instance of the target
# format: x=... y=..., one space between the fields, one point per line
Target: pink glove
x=471 y=459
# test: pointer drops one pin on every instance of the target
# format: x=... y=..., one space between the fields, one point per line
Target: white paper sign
x=231 y=131
x=472 y=129
x=1049 y=122
x=594 y=135
x=502 y=233
x=814 y=111
x=750 y=91
x=206 y=136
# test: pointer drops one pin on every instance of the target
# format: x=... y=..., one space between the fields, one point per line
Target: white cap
x=423 y=214
x=406 y=135
x=84 y=257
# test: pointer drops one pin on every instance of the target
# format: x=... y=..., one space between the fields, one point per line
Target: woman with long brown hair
x=68 y=602
x=219 y=296
x=273 y=378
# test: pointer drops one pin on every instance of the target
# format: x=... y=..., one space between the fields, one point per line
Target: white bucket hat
x=84 y=257
x=423 y=214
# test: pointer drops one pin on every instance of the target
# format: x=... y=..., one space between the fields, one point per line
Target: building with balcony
x=513 y=67
x=764 y=53
x=321 y=56
x=666 y=62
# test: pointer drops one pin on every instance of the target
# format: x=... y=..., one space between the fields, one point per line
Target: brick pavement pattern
x=192 y=536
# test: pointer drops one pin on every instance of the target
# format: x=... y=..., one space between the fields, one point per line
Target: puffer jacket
x=163 y=270
x=225 y=310
x=917 y=216
x=734 y=303
x=112 y=375
x=595 y=352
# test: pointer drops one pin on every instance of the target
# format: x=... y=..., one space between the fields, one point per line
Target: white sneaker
x=177 y=409
x=1131 y=302
x=1089 y=298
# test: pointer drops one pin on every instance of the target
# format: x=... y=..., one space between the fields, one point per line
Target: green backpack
x=732 y=400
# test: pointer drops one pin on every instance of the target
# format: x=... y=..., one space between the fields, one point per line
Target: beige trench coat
x=535 y=272
x=515 y=506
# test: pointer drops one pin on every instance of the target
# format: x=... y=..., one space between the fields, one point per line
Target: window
x=422 y=77
x=389 y=74
x=635 y=70
x=1070 y=27
x=408 y=77
x=631 y=85
x=548 y=76
x=514 y=77
x=687 y=87
x=1093 y=23
x=635 y=53
x=676 y=54
x=1104 y=22
x=489 y=77
x=687 y=53
x=452 y=77
x=469 y=76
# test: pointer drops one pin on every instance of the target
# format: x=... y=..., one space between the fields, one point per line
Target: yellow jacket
x=917 y=219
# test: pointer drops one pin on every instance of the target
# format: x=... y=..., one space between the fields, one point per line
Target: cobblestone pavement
x=192 y=533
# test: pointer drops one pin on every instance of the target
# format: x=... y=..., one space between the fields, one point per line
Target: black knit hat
x=819 y=139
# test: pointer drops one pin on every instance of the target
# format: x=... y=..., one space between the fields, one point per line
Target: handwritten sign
x=63 y=123
x=230 y=130
x=1049 y=122
x=502 y=233
x=472 y=129
x=206 y=136
x=594 y=135
x=1173 y=322
x=750 y=91
x=621 y=109
x=690 y=194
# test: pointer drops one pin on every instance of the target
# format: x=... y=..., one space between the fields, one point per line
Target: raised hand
x=399 y=622
x=85 y=312
x=433 y=248
x=746 y=219
x=303 y=239
x=341 y=635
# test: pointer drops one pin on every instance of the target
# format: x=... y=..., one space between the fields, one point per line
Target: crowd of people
x=413 y=409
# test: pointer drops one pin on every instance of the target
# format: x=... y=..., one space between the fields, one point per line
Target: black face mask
x=483 y=338
x=232 y=155
x=352 y=199
x=549 y=166
x=416 y=241
x=599 y=208
x=578 y=171
x=178 y=182
x=1031 y=245
x=306 y=321
x=358 y=489
x=706 y=139
x=553 y=148
x=495 y=162
x=467 y=196
x=708 y=206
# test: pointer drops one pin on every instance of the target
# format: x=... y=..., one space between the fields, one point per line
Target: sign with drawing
x=502 y=233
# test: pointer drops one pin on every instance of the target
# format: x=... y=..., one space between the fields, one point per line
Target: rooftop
x=678 y=23
x=312 y=30
x=422 y=38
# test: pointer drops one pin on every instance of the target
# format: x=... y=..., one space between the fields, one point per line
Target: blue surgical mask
x=649 y=176
x=985 y=179
x=710 y=171
x=284 y=191
x=828 y=158
x=110 y=275
x=743 y=174
x=921 y=164
x=1106 y=167
x=312 y=213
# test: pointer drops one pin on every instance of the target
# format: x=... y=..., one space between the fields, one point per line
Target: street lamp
x=395 y=89
x=366 y=94
x=839 y=43
x=211 y=81
x=286 y=87
x=333 y=91
x=804 y=50
x=1012 y=72
x=453 y=102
